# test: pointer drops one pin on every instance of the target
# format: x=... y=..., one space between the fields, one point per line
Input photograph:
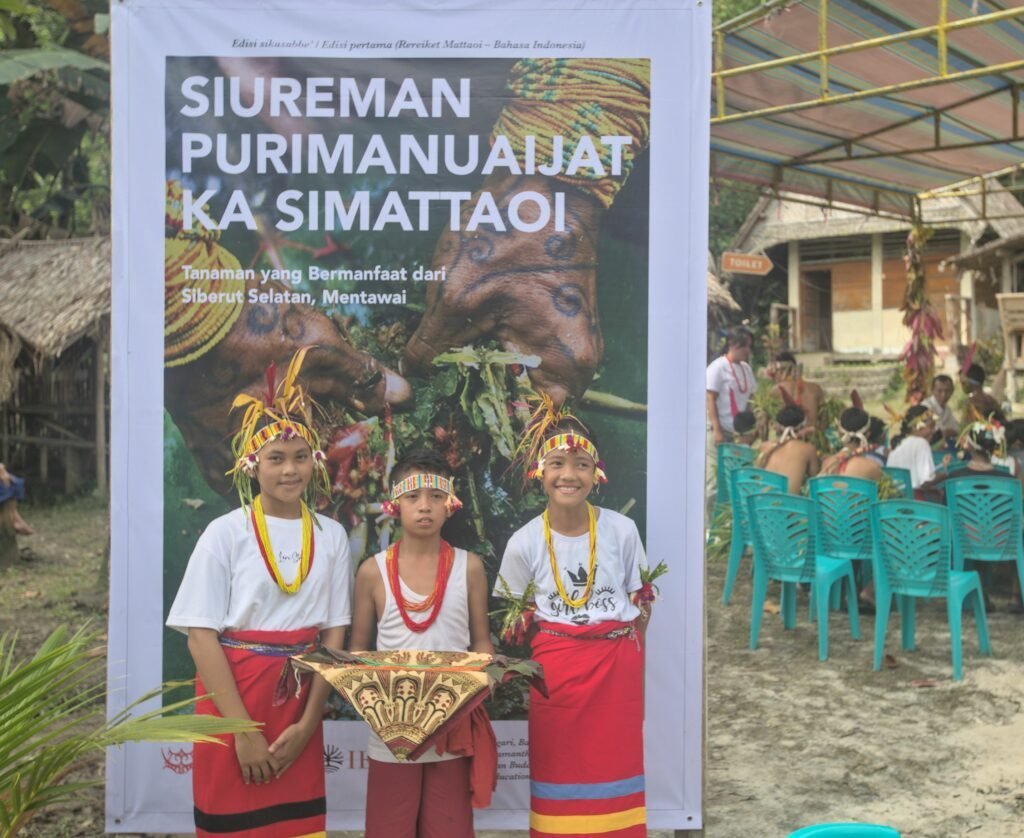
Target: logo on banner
x=180 y=762
x=334 y=758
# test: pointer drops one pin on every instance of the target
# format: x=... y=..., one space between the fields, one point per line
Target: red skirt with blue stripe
x=586 y=737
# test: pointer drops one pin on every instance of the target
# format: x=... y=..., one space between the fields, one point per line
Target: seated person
x=744 y=424
x=12 y=489
x=938 y=403
x=986 y=444
x=786 y=373
x=853 y=459
x=911 y=448
x=789 y=455
x=879 y=450
x=980 y=405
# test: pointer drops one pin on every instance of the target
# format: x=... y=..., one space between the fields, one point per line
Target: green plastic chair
x=912 y=560
x=987 y=517
x=901 y=477
x=845 y=830
x=842 y=532
x=730 y=457
x=782 y=531
x=746 y=481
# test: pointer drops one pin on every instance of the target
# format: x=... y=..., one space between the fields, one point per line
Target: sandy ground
x=792 y=741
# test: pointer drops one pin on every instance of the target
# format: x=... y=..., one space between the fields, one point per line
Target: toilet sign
x=746 y=263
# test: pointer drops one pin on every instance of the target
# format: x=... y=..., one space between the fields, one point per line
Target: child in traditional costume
x=422 y=593
x=263 y=583
x=582 y=566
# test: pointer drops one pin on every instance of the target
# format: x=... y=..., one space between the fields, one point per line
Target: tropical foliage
x=54 y=118
x=53 y=715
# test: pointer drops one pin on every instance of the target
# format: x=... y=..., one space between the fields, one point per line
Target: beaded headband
x=420 y=480
x=568 y=442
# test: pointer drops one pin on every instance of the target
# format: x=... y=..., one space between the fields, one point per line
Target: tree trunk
x=8 y=538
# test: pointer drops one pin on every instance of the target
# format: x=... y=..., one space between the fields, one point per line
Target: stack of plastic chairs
x=842 y=533
x=784 y=551
x=987 y=518
x=730 y=458
x=845 y=830
x=912 y=560
x=745 y=482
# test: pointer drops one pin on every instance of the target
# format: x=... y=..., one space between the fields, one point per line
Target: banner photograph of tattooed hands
x=459 y=213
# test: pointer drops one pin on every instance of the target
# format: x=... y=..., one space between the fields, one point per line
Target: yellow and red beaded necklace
x=259 y=525
x=591 y=565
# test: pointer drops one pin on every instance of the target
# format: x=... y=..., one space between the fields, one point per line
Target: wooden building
x=846 y=275
x=54 y=346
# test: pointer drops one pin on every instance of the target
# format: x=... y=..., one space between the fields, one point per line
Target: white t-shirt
x=724 y=378
x=620 y=555
x=448 y=633
x=915 y=454
x=227 y=585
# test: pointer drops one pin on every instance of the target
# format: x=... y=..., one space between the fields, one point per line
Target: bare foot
x=534 y=292
x=21 y=526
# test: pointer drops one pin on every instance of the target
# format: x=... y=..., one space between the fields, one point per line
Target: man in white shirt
x=938 y=403
x=730 y=384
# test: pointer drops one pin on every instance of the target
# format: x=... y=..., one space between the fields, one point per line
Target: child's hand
x=287 y=747
x=254 y=758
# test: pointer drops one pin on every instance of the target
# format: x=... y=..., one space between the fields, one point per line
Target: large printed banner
x=460 y=208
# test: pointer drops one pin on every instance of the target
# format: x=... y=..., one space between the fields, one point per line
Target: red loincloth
x=586 y=738
x=293 y=805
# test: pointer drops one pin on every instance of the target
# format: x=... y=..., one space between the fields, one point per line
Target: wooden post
x=8 y=538
x=100 y=385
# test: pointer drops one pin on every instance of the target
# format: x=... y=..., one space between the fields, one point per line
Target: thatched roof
x=718 y=296
x=53 y=292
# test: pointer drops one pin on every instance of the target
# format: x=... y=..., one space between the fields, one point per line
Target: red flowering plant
x=919 y=353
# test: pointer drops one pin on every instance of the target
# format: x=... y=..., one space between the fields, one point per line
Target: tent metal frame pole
x=916 y=84
x=941 y=29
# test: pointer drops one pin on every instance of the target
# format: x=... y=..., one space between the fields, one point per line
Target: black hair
x=917 y=411
x=744 y=422
x=1014 y=432
x=942 y=378
x=876 y=433
x=739 y=336
x=786 y=358
x=790 y=416
x=420 y=459
x=854 y=419
x=976 y=372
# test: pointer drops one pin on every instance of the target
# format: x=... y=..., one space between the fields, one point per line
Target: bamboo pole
x=100 y=386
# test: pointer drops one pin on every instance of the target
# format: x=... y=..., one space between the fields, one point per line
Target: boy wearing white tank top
x=420 y=593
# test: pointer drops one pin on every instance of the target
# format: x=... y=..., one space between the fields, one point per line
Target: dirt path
x=793 y=741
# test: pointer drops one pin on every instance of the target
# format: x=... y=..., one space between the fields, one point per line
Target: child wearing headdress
x=911 y=447
x=265 y=582
x=422 y=593
x=790 y=455
x=581 y=566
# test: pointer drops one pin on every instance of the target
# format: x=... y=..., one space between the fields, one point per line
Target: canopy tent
x=878 y=104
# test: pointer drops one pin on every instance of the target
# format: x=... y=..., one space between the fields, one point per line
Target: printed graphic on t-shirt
x=289 y=559
x=601 y=601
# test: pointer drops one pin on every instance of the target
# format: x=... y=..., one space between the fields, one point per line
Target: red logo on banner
x=180 y=762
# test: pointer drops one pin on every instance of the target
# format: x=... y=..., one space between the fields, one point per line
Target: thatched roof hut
x=54 y=315
x=53 y=292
